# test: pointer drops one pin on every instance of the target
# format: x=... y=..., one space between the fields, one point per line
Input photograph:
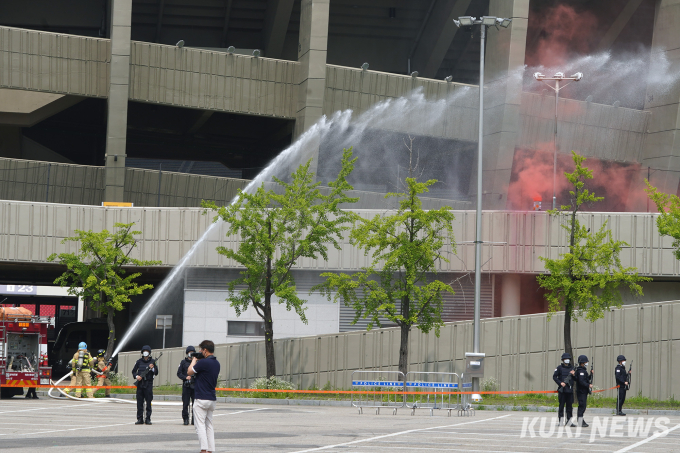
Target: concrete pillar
x=504 y=61
x=662 y=145
x=116 y=123
x=312 y=50
x=510 y=295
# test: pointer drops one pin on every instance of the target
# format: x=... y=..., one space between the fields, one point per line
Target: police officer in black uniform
x=145 y=387
x=622 y=381
x=187 y=384
x=583 y=387
x=563 y=377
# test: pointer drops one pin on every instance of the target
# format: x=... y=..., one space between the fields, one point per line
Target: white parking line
x=397 y=434
x=123 y=424
x=44 y=408
x=649 y=439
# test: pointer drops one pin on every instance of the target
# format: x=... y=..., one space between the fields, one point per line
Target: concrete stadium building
x=164 y=103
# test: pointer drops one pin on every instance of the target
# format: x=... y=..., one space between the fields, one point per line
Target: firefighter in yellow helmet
x=102 y=369
x=83 y=361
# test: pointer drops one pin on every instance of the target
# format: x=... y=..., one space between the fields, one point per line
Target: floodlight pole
x=484 y=22
x=557 y=78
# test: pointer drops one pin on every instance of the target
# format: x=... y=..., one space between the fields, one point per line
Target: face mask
x=585 y=364
x=145 y=353
x=567 y=361
x=623 y=363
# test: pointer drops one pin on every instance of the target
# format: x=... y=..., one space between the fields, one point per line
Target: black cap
x=101 y=352
x=190 y=349
x=621 y=358
x=582 y=359
x=566 y=355
x=146 y=347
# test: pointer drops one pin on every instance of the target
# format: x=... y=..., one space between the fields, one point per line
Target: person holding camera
x=205 y=369
x=187 y=384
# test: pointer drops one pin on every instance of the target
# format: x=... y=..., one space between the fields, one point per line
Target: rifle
x=629 y=375
x=567 y=381
x=590 y=378
x=146 y=370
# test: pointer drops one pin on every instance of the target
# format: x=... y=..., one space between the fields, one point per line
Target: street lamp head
x=364 y=66
x=578 y=76
x=414 y=74
x=448 y=78
x=489 y=20
x=466 y=21
x=559 y=75
x=180 y=43
x=538 y=76
x=503 y=22
x=457 y=22
x=231 y=49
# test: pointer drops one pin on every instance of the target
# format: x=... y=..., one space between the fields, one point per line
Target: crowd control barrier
x=419 y=381
x=378 y=381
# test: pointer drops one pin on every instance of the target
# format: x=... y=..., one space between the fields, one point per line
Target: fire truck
x=23 y=350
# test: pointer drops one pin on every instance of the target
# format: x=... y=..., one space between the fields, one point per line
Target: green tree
x=405 y=247
x=96 y=271
x=276 y=231
x=668 y=221
x=584 y=281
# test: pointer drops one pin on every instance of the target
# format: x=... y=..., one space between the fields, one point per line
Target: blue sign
x=467 y=385
x=377 y=384
x=435 y=385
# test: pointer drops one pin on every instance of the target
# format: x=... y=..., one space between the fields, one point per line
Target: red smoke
x=532 y=176
x=557 y=34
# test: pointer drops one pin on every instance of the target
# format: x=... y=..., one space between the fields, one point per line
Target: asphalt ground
x=68 y=426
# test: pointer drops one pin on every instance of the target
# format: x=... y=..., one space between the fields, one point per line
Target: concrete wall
x=522 y=352
x=54 y=62
x=211 y=80
x=30 y=231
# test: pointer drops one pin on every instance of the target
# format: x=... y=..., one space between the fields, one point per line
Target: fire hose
x=111 y=400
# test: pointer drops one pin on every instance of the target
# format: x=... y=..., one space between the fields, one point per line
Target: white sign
x=18 y=289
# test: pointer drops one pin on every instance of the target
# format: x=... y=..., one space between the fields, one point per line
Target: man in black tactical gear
x=563 y=377
x=582 y=389
x=187 y=384
x=145 y=386
x=622 y=381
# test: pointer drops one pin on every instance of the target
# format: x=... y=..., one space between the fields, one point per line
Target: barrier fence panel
x=378 y=381
x=466 y=398
x=423 y=381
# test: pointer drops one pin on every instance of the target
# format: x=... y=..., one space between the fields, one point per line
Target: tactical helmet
x=82 y=345
x=101 y=353
x=621 y=358
x=190 y=349
x=582 y=359
x=146 y=347
x=566 y=355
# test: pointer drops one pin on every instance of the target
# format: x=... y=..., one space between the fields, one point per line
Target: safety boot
x=582 y=423
x=139 y=422
x=570 y=423
x=186 y=421
x=148 y=421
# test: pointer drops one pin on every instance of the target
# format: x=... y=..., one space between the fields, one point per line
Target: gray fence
x=522 y=352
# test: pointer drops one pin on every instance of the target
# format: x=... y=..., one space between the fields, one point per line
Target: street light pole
x=485 y=21
x=557 y=78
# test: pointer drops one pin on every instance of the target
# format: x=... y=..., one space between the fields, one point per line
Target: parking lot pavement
x=59 y=425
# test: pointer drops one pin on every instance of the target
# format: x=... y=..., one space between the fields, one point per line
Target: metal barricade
x=466 y=408
x=440 y=383
x=378 y=381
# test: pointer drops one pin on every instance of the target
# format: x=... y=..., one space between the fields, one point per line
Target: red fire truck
x=23 y=350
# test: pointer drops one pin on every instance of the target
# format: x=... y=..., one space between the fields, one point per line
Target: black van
x=94 y=332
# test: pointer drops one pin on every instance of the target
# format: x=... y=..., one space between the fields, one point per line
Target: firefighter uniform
x=102 y=367
x=564 y=374
x=83 y=369
x=72 y=364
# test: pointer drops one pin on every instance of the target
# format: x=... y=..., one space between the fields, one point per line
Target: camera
x=197 y=355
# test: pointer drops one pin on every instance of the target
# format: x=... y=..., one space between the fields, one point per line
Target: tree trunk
x=567 y=330
x=403 y=349
x=269 y=338
x=268 y=322
x=112 y=333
